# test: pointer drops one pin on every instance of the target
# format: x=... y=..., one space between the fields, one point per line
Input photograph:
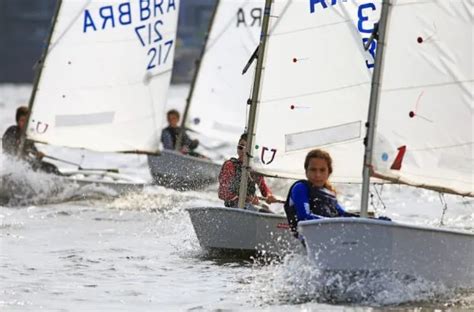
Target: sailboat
x=102 y=82
x=307 y=93
x=424 y=69
x=216 y=105
x=427 y=64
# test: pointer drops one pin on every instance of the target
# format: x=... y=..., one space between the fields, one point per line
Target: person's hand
x=184 y=150
x=194 y=144
x=39 y=155
x=253 y=200
x=270 y=199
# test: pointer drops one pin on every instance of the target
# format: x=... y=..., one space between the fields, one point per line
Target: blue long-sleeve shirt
x=299 y=197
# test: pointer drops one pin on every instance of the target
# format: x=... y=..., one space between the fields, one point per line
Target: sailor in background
x=11 y=144
x=170 y=135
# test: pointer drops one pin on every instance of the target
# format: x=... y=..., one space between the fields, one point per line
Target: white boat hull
x=239 y=230
x=355 y=245
x=182 y=172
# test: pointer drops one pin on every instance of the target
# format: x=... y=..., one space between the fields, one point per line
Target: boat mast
x=253 y=107
x=39 y=70
x=373 y=107
x=179 y=140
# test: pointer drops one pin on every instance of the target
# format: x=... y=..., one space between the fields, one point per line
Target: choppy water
x=139 y=252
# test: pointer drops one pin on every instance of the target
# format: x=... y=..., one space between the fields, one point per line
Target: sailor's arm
x=265 y=190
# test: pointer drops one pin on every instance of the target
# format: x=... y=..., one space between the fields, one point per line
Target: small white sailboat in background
x=103 y=79
x=217 y=102
x=424 y=69
x=310 y=94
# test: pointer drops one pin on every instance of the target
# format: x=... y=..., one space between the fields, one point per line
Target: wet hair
x=20 y=112
x=317 y=153
x=172 y=112
x=243 y=137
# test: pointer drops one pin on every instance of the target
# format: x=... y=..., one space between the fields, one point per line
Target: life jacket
x=321 y=202
x=234 y=185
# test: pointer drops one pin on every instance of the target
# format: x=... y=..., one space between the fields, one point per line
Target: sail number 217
x=150 y=36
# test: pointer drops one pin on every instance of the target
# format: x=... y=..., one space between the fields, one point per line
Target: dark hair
x=243 y=136
x=317 y=153
x=20 y=112
x=172 y=112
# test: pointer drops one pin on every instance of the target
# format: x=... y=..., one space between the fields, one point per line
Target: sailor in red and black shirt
x=229 y=180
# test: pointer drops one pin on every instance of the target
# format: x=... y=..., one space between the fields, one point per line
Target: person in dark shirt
x=170 y=135
x=11 y=144
x=229 y=180
x=11 y=138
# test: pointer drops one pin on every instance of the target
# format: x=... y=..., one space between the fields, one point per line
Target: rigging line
x=372 y=204
x=379 y=196
x=429 y=85
x=317 y=92
x=310 y=28
x=445 y=208
x=441 y=147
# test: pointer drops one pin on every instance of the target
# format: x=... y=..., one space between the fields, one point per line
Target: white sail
x=426 y=101
x=315 y=87
x=219 y=102
x=106 y=75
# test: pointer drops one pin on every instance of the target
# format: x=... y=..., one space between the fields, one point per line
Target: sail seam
x=317 y=92
x=429 y=85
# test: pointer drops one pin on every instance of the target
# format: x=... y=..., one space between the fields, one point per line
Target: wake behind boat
x=23 y=186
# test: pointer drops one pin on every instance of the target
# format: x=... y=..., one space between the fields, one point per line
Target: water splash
x=296 y=281
x=21 y=186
